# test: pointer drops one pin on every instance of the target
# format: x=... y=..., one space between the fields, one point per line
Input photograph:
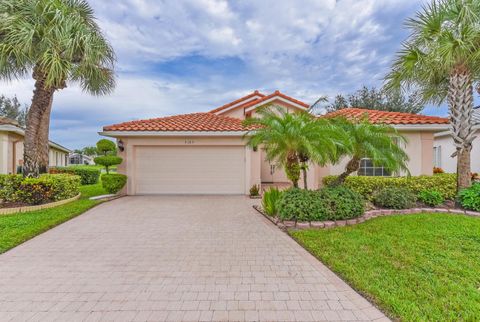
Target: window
x=367 y=168
x=437 y=156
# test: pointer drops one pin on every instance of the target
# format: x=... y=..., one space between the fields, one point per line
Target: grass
x=414 y=267
x=18 y=228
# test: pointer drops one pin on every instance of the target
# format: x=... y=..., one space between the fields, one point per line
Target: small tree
x=379 y=142
x=107 y=151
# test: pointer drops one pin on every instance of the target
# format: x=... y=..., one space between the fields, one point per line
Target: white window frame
x=384 y=172
x=437 y=156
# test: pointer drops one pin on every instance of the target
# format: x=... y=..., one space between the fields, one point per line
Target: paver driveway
x=174 y=258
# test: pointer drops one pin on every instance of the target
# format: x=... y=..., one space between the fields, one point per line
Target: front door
x=272 y=172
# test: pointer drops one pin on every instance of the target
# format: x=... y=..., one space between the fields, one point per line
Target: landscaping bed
x=18 y=228
x=418 y=267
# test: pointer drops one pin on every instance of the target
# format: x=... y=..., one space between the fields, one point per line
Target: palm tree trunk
x=304 y=171
x=292 y=169
x=304 y=161
x=460 y=101
x=37 y=128
x=352 y=166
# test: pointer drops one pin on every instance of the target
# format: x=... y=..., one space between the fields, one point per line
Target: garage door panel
x=190 y=170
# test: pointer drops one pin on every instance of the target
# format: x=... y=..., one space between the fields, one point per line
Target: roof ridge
x=388 y=117
x=238 y=100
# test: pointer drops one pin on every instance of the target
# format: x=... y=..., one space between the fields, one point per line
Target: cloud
x=193 y=55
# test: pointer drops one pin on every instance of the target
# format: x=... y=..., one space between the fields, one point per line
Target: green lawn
x=17 y=228
x=414 y=267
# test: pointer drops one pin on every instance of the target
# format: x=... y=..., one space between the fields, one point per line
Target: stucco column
x=4 y=154
x=427 y=153
x=253 y=168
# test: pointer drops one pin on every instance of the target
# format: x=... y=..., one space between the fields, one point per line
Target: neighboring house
x=79 y=159
x=444 y=147
x=205 y=153
x=11 y=148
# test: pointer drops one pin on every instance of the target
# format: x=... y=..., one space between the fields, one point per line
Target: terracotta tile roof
x=384 y=117
x=276 y=93
x=246 y=97
x=183 y=122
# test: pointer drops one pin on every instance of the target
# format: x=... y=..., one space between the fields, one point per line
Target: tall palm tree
x=441 y=59
x=293 y=139
x=380 y=143
x=58 y=41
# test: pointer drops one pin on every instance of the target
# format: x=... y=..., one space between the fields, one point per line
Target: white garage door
x=190 y=170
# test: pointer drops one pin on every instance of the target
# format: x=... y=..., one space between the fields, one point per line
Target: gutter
x=446 y=133
x=115 y=134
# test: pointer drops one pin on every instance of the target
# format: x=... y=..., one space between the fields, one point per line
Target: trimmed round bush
x=296 y=204
x=108 y=160
x=431 y=198
x=113 y=182
x=335 y=203
x=339 y=203
x=470 y=198
x=105 y=146
x=394 y=198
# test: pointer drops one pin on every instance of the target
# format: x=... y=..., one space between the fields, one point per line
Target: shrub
x=470 y=198
x=445 y=184
x=88 y=175
x=64 y=186
x=105 y=146
x=340 y=203
x=9 y=185
x=254 y=191
x=113 y=182
x=394 y=197
x=107 y=161
x=431 y=197
x=34 y=191
x=336 y=203
x=296 y=204
x=46 y=188
x=270 y=201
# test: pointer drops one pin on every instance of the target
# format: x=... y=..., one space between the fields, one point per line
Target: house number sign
x=189 y=141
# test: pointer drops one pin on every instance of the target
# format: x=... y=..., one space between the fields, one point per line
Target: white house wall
x=449 y=164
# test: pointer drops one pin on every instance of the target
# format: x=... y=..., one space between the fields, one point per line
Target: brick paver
x=172 y=258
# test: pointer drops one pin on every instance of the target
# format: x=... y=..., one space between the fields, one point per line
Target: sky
x=185 y=56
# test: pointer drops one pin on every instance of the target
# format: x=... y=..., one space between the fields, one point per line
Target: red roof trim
x=385 y=117
x=221 y=108
x=274 y=94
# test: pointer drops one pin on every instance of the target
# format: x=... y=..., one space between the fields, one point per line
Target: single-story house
x=444 y=148
x=79 y=159
x=205 y=153
x=11 y=148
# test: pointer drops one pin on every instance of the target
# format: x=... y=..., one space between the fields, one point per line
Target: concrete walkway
x=172 y=258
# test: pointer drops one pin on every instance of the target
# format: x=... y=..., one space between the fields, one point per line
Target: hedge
x=337 y=203
x=445 y=184
x=88 y=175
x=34 y=191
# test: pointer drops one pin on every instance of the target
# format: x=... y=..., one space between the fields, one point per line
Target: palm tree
x=293 y=139
x=58 y=41
x=441 y=59
x=380 y=143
